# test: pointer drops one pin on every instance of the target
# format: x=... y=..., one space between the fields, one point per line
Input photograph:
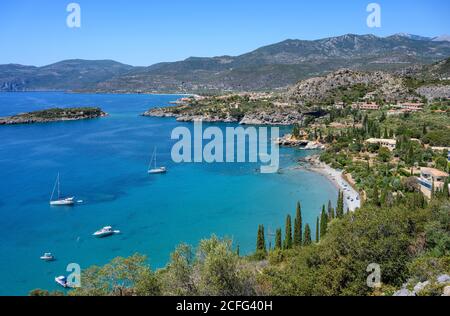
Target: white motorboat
x=105 y=232
x=155 y=169
x=68 y=201
x=47 y=257
x=62 y=280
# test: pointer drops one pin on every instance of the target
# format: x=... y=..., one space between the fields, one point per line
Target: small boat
x=155 y=169
x=62 y=280
x=105 y=232
x=47 y=257
x=68 y=201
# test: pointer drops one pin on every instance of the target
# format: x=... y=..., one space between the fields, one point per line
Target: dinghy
x=47 y=257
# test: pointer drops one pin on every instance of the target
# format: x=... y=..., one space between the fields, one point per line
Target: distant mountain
x=64 y=75
x=414 y=37
x=266 y=68
x=442 y=38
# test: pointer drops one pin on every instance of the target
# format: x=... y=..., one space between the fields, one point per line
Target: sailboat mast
x=54 y=188
x=59 y=190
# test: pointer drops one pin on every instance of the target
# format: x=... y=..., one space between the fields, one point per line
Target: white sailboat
x=155 y=169
x=60 y=201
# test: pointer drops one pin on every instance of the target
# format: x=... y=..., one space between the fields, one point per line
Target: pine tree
x=288 y=233
x=298 y=226
x=323 y=223
x=278 y=238
x=307 y=236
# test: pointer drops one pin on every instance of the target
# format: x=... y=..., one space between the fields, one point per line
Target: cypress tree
x=446 y=193
x=278 y=237
x=288 y=237
x=298 y=226
x=340 y=205
x=433 y=190
x=323 y=223
x=375 y=195
x=238 y=251
x=307 y=236
x=330 y=210
x=383 y=197
x=317 y=229
x=258 y=239
x=261 y=242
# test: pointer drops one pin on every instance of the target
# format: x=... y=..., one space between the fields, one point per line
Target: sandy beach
x=352 y=200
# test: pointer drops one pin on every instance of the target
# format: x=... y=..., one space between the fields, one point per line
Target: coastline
x=335 y=176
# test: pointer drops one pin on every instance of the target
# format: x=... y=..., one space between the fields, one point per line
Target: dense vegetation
x=374 y=168
x=64 y=113
x=52 y=115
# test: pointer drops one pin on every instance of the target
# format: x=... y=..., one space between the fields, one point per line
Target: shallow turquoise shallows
x=104 y=163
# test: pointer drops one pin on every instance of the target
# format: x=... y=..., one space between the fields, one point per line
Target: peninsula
x=53 y=115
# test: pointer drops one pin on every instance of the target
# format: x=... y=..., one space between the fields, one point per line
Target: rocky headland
x=53 y=115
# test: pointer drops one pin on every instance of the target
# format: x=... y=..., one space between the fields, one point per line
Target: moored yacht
x=68 y=201
x=105 y=232
x=155 y=169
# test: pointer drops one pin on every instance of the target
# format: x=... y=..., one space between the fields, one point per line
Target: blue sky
x=143 y=32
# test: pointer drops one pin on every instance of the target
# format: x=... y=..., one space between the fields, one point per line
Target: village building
x=384 y=142
x=431 y=178
x=339 y=105
x=406 y=107
x=366 y=106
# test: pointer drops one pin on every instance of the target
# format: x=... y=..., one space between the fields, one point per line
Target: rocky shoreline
x=281 y=118
x=54 y=115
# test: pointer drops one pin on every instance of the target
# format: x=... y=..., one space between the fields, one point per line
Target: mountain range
x=267 y=68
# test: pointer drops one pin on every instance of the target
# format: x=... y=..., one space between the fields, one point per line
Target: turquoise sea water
x=104 y=162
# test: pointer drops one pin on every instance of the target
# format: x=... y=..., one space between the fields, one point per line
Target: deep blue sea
x=104 y=163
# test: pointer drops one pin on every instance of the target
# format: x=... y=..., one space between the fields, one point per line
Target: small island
x=53 y=115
